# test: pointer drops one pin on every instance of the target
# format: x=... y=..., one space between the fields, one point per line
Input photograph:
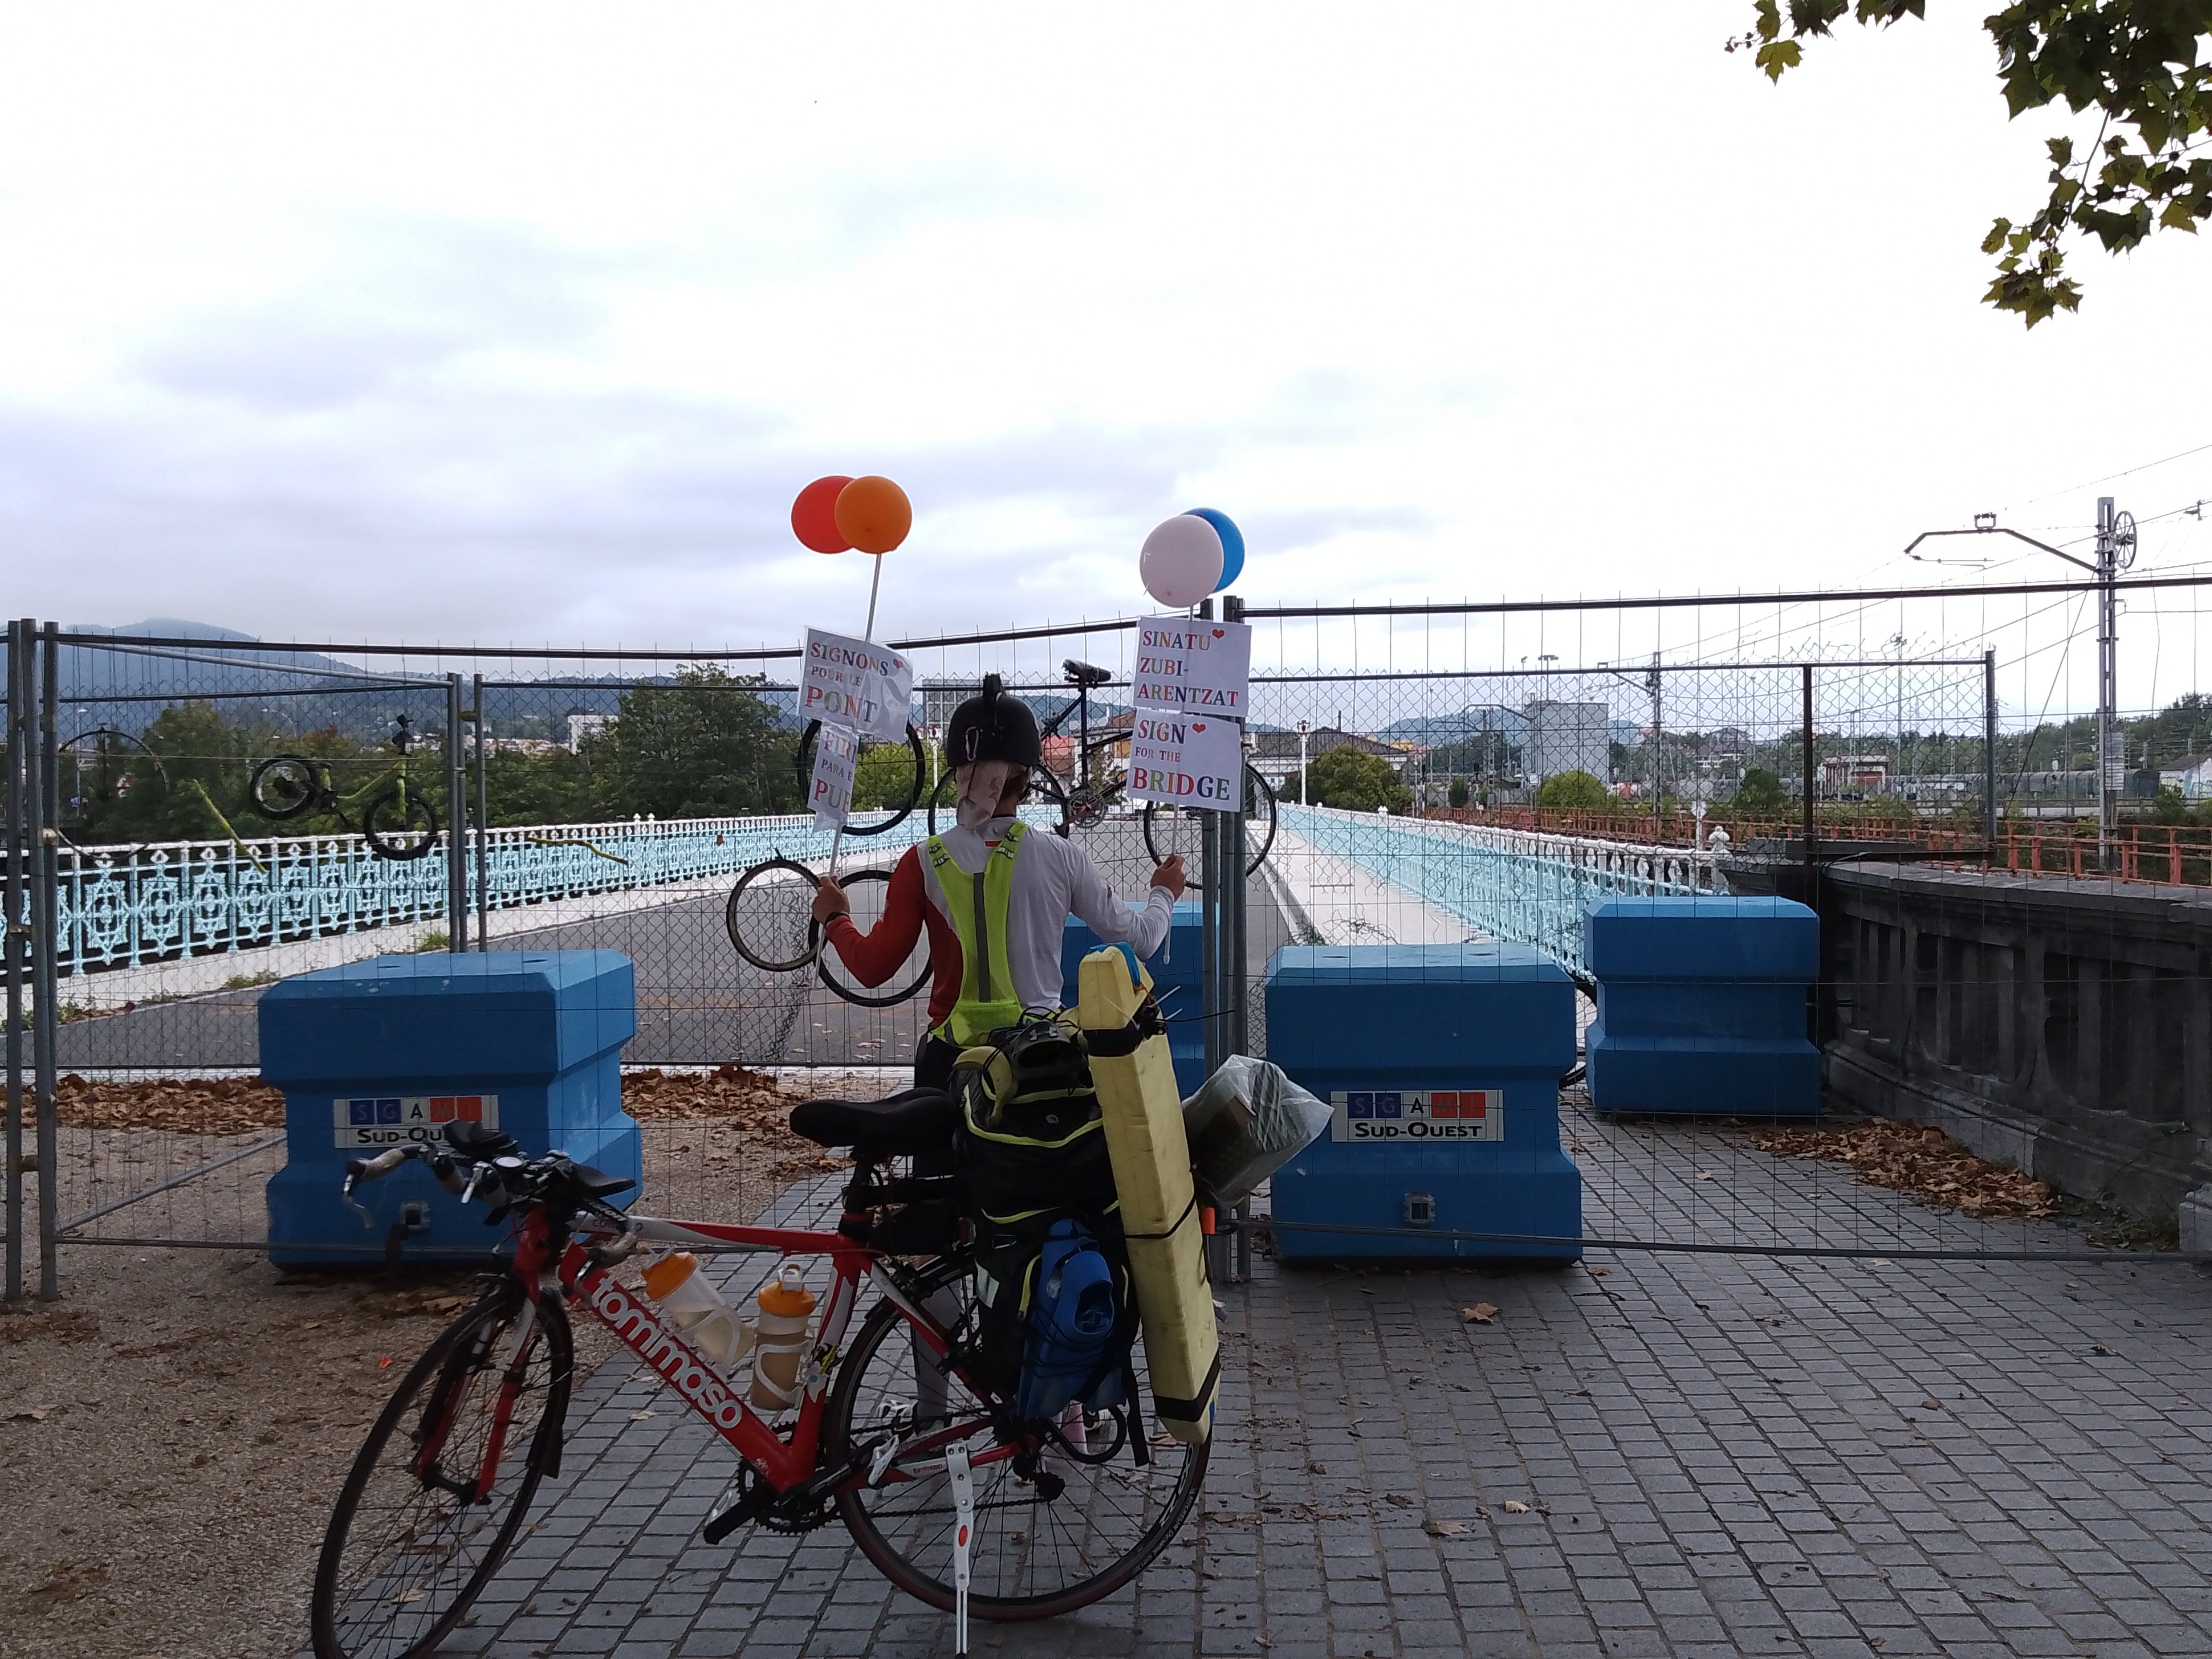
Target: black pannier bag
x=1032 y=1152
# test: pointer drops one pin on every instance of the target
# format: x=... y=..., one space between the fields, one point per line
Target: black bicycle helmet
x=992 y=726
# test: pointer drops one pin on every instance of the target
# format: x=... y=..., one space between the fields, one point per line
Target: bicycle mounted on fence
x=909 y=1432
x=396 y=818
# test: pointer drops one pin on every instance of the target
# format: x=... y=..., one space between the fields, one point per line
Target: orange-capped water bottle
x=783 y=1334
x=696 y=1308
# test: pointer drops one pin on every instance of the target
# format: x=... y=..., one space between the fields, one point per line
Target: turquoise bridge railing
x=1508 y=884
x=127 y=907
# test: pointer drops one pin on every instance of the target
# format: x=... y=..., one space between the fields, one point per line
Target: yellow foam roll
x=1142 y=1114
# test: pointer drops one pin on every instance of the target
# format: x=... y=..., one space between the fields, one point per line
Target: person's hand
x=1169 y=874
x=829 y=901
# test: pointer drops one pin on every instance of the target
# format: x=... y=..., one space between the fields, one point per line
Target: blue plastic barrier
x=381 y=1053
x=1701 y=1005
x=1443 y=1065
x=1176 y=970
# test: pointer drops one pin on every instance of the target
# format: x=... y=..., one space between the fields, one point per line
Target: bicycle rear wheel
x=412 y=1543
x=1177 y=829
x=1053 y=1532
x=771 y=916
x=867 y=890
x=285 y=786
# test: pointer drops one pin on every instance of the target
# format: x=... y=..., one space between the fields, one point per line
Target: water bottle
x=696 y=1308
x=783 y=1334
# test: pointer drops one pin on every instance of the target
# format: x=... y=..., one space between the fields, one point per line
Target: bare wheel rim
x=404 y=1555
x=860 y=886
x=870 y=821
x=770 y=916
x=1170 y=830
x=1034 y=1557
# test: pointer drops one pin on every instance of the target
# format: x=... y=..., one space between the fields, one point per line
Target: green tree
x=1347 y=777
x=707 y=746
x=1574 y=792
x=2139 y=65
x=884 y=775
x=1456 y=795
x=1759 y=795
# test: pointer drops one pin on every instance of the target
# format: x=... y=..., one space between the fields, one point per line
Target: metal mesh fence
x=228 y=814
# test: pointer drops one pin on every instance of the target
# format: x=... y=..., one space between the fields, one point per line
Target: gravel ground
x=172 y=1431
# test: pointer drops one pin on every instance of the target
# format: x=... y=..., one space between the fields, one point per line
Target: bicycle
x=898 y=1435
x=396 y=818
x=1101 y=780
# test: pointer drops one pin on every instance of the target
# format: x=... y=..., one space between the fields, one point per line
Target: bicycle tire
x=850 y=1410
x=1258 y=793
x=805 y=759
x=286 y=787
x=758 y=943
x=476 y=1349
x=861 y=996
x=393 y=815
x=1043 y=783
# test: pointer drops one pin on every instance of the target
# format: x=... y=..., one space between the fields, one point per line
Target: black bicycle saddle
x=918 y=1120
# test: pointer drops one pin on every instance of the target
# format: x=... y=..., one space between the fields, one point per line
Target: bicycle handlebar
x=501 y=1181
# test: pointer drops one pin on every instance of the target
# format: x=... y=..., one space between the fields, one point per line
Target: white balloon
x=1182 y=561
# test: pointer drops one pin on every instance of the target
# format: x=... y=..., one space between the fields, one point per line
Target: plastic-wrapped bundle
x=1244 y=1123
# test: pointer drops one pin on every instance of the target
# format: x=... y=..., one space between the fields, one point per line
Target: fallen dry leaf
x=1480 y=1314
x=1515 y=1506
x=1705 y=1174
x=31 y=1413
x=639 y=1417
x=1919 y=1161
x=1601 y=1273
x=1444 y=1528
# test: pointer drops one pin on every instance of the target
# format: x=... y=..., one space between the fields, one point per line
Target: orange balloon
x=874 y=514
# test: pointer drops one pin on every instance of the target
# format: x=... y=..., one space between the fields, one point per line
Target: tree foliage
x=1574 y=792
x=1760 y=795
x=2143 y=65
x=1360 y=783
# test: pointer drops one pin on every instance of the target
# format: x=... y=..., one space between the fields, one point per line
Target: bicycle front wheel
x=400 y=825
x=891 y=774
x=442 y=1481
x=285 y=786
x=1053 y=1531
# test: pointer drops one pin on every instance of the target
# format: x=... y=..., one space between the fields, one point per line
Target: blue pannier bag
x=1077 y=1341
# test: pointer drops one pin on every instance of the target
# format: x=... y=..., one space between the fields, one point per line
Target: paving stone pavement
x=1647 y=1455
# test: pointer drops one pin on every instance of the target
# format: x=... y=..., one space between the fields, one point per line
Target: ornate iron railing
x=124 y=907
x=1513 y=885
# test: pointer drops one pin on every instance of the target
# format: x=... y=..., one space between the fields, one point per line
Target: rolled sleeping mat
x=1142 y=1115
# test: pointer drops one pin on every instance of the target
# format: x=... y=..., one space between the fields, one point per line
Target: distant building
x=940 y=697
x=1856 y=774
x=2193 y=777
x=586 y=725
x=524 y=745
x=1567 y=737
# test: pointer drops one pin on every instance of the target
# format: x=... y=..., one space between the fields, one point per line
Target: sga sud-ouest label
x=397 y=1120
x=1411 y=1116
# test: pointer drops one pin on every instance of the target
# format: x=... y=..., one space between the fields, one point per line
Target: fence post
x=1806 y=733
x=483 y=826
x=456 y=819
x=12 y=936
x=45 y=921
x=1988 y=755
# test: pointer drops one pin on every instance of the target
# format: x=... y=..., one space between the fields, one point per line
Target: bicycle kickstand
x=963 y=1535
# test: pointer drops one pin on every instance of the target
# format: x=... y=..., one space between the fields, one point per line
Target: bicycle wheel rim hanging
x=855 y=826
x=861 y=996
x=760 y=917
x=1259 y=831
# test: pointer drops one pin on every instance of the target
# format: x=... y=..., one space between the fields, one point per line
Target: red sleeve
x=875 y=956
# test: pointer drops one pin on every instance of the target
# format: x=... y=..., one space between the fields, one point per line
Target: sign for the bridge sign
x=829 y=791
x=853 y=683
x=1186 y=760
x=1193 y=666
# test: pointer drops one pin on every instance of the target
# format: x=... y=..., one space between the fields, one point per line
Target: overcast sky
x=526 y=324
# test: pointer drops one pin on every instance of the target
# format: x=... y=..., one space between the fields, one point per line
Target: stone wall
x=2065 y=1026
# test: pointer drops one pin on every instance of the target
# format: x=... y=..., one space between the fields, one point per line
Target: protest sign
x=830 y=790
x=1192 y=666
x=855 y=683
x=1183 y=760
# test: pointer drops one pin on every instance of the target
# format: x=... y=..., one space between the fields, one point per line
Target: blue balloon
x=1233 y=543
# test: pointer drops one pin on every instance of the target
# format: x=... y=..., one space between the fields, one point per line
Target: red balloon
x=814 y=516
